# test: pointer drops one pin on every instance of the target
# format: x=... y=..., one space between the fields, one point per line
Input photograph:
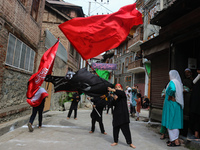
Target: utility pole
x=89 y=8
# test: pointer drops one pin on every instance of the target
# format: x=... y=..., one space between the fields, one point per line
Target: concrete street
x=58 y=133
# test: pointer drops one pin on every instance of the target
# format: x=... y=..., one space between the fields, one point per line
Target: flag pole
x=94 y=108
x=92 y=68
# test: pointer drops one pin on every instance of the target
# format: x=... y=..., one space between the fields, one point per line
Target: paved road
x=58 y=133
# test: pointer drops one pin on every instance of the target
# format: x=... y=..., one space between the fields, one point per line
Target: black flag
x=82 y=81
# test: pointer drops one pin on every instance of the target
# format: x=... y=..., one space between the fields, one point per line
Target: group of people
x=181 y=98
x=116 y=100
x=130 y=101
x=135 y=102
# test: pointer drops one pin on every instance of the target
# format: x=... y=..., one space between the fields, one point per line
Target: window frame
x=31 y=58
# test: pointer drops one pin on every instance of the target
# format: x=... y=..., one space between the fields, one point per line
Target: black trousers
x=110 y=107
x=38 y=109
x=70 y=112
x=126 y=132
x=101 y=126
x=132 y=109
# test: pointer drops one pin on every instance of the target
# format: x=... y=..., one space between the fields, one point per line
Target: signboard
x=104 y=66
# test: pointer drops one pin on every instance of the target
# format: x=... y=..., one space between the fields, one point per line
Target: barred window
x=19 y=55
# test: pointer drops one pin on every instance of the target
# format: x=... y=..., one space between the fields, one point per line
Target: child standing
x=138 y=100
x=98 y=103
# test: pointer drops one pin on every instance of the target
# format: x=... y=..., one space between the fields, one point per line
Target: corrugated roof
x=61 y=3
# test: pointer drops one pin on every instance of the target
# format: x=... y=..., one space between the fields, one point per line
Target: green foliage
x=66 y=97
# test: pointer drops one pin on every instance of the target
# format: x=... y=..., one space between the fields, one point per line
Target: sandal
x=162 y=137
x=172 y=144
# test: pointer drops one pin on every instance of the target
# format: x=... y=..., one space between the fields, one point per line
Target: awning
x=50 y=40
x=136 y=46
x=137 y=70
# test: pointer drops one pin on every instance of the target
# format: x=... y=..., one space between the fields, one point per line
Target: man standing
x=194 y=109
x=74 y=105
x=187 y=90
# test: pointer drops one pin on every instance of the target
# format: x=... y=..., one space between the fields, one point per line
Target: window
x=131 y=59
x=77 y=56
x=119 y=65
x=126 y=62
x=115 y=82
x=71 y=50
x=127 y=78
x=34 y=9
x=19 y=55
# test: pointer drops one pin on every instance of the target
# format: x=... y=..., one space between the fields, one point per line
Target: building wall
x=15 y=18
x=51 y=20
x=122 y=70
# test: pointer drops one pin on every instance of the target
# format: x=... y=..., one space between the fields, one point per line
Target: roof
x=178 y=9
x=61 y=3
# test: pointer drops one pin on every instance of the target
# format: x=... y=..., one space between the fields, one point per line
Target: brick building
x=20 y=30
x=67 y=58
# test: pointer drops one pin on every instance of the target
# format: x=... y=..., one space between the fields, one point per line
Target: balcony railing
x=139 y=37
x=135 y=64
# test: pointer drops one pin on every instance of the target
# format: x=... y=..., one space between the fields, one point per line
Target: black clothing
x=99 y=105
x=187 y=97
x=38 y=109
x=121 y=117
x=132 y=109
x=195 y=99
x=194 y=109
x=120 y=112
x=109 y=104
x=146 y=103
x=74 y=105
x=126 y=132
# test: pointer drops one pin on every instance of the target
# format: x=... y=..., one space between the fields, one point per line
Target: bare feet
x=67 y=117
x=104 y=133
x=133 y=146
x=114 y=144
x=75 y=118
x=39 y=127
x=91 y=132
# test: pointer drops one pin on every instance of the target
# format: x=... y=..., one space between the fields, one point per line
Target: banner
x=104 y=66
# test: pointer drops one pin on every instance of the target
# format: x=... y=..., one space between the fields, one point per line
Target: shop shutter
x=159 y=77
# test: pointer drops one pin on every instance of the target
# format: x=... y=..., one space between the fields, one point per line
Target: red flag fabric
x=38 y=97
x=94 y=35
x=45 y=68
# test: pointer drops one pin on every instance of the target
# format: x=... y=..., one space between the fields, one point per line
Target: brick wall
x=15 y=18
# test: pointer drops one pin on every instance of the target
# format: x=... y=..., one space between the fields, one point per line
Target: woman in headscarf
x=120 y=115
x=172 y=116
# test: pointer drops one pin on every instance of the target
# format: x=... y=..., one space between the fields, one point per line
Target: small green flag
x=103 y=74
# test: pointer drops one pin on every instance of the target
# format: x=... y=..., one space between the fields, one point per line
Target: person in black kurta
x=98 y=103
x=74 y=105
x=120 y=115
x=195 y=108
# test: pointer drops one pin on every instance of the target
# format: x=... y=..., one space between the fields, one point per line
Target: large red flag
x=94 y=35
x=45 y=68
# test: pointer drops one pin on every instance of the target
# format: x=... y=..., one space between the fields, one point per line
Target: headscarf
x=175 y=77
x=118 y=85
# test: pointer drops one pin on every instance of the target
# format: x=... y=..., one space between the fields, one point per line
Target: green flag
x=103 y=74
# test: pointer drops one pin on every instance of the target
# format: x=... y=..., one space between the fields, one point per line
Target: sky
x=100 y=7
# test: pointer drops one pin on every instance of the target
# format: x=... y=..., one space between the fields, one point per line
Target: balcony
x=134 y=43
x=136 y=66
